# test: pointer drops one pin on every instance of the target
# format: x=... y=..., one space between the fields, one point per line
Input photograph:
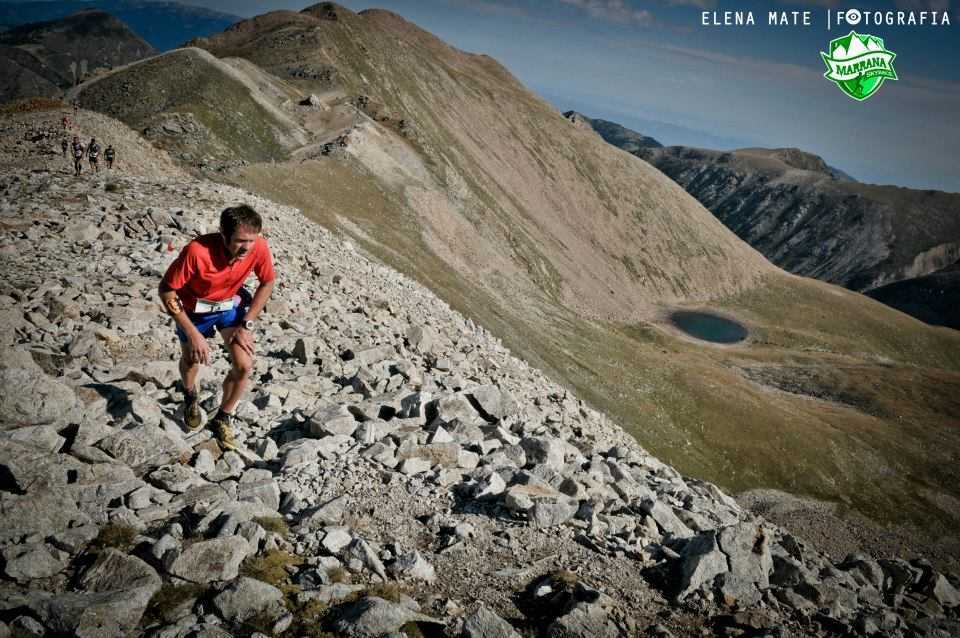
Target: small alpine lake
x=708 y=327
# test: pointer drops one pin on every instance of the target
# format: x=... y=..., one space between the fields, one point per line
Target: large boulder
x=212 y=560
x=702 y=562
x=483 y=623
x=373 y=617
x=117 y=590
x=248 y=597
x=29 y=397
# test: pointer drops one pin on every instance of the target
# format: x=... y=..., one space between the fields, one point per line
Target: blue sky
x=654 y=67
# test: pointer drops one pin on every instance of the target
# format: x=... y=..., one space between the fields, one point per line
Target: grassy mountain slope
x=575 y=253
x=199 y=108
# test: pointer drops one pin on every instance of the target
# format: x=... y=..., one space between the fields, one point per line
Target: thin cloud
x=613 y=11
x=924 y=5
x=494 y=8
x=702 y=4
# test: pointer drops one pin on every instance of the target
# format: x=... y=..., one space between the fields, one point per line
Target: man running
x=64 y=146
x=78 y=152
x=108 y=155
x=200 y=291
x=93 y=154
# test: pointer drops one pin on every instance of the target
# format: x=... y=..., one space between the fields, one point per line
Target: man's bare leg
x=237 y=380
x=189 y=370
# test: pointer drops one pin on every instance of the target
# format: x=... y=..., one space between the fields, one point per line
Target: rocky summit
x=400 y=472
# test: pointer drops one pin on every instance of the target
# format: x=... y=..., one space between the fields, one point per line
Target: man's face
x=241 y=243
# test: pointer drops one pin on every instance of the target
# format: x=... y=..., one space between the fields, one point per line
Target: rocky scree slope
x=809 y=219
x=47 y=58
x=399 y=472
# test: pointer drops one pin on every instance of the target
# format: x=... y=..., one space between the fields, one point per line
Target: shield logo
x=859 y=64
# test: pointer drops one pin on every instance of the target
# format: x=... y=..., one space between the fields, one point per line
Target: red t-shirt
x=203 y=270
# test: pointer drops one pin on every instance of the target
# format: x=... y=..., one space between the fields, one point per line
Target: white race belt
x=206 y=305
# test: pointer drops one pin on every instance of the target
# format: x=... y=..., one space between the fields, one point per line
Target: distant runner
x=64 y=146
x=109 y=155
x=78 y=152
x=93 y=154
x=203 y=290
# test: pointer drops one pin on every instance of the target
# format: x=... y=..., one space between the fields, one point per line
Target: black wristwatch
x=248 y=325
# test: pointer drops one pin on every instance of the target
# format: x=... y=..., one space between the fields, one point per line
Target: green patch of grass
x=412 y=630
x=565 y=578
x=120 y=537
x=339 y=575
x=168 y=598
x=310 y=620
x=270 y=567
x=273 y=524
x=388 y=591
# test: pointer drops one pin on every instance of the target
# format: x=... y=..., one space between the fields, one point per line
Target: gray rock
x=748 y=552
x=553 y=512
x=116 y=571
x=585 y=621
x=413 y=565
x=374 y=355
x=421 y=338
x=299 y=452
x=33 y=560
x=42 y=437
x=372 y=617
x=267 y=449
x=489 y=485
x=23 y=626
x=943 y=592
x=544 y=450
x=738 y=590
x=336 y=538
x=483 y=623
x=41 y=400
x=212 y=560
x=41 y=512
x=702 y=561
x=102 y=612
x=413 y=466
x=494 y=403
x=442 y=454
x=162 y=374
x=246 y=597
x=665 y=518
x=362 y=551
x=330 y=513
x=259 y=486
x=175 y=478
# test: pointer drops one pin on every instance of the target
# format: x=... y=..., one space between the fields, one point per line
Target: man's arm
x=199 y=350
x=260 y=297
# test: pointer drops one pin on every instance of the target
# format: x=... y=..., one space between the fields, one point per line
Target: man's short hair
x=237 y=216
